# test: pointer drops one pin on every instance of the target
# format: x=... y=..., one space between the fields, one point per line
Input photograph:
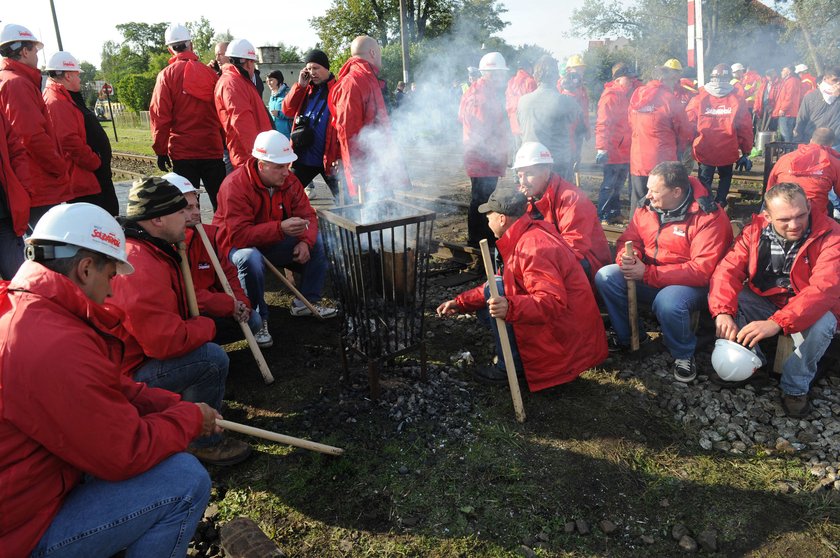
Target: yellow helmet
x=575 y=61
x=673 y=64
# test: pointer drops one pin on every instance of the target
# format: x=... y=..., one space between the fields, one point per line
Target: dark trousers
x=477 y=227
x=706 y=174
x=305 y=173
x=210 y=172
x=609 y=197
x=638 y=191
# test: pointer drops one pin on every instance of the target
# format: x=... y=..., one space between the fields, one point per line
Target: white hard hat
x=737 y=67
x=182 y=183
x=63 y=61
x=84 y=225
x=532 y=153
x=734 y=362
x=241 y=48
x=12 y=32
x=176 y=33
x=274 y=147
x=800 y=68
x=492 y=61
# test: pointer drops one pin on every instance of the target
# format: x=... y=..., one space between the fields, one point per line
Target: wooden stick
x=292 y=288
x=192 y=303
x=510 y=366
x=275 y=437
x=632 y=303
x=249 y=336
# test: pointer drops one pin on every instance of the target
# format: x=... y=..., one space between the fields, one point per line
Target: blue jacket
x=275 y=102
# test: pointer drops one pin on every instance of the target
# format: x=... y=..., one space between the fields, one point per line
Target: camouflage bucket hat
x=152 y=197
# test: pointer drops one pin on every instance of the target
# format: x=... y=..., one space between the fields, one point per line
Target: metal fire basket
x=379 y=259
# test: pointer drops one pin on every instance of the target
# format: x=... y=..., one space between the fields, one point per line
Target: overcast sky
x=86 y=24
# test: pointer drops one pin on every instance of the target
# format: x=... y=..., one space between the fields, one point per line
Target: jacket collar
x=59 y=90
x=135 y=231
x=255 y=180
x=508 y=241
x=32 y=74
x=186 y=56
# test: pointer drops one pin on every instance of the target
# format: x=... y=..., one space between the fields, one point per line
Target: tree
x=202 y=38
x=288 y=54
x=87 y=75
x=135 y=91
x=814 y=28
x=143 y=38
x=133 y=54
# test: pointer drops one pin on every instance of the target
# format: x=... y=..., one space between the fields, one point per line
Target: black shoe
x=685 y=370
x=796 y=406
x=490 y=375
x=647 y=347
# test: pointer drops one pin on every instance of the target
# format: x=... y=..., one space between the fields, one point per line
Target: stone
x=527 y=552
x=687 y=544
x=607 y=526
x=647 y=539
x=569 y=527
x=678 y=531
x=242 y=538
x=582 y=526
x=708 y=540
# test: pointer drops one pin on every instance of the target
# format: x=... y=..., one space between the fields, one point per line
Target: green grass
x=131 y=139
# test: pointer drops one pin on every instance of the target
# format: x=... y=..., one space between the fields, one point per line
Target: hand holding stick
x=275 y=437
x=632 y=303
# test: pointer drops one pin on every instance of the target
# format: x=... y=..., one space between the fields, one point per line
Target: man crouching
x=544 y=296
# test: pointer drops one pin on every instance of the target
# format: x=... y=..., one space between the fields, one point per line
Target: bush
x=135 y=91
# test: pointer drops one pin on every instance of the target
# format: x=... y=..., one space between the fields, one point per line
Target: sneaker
x=491 y=374
x=227 y=452
x=263 y=337
x=796 y=406
x=685 y=369
x=299 y=309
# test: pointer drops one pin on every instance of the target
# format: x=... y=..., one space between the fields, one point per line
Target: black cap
x=505 y=200
x=318 y=56
x=621 y=70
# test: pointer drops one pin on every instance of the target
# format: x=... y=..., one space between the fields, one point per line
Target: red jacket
x=751 y=82
x=550 y=305
x=738 y=87
x=211 y=296
x=23 y=105
x=65 y=408
x=759 y=106
x=661 y=130
x=356 y=102
x=788 y=97
x=487 y=138
x=570 y=210
x=807 y=82
x=723 y=124
x=182 y=112
x=248 y=216
x=581 y=95
x=683 y=252
x=685 y=91
x=815 y=168
x=14 y=173
x=293 y=104
x=520 y=84
x=241 y=112
x=155 y=304
x=612 y=127
x=813 y=276
x=69 y=125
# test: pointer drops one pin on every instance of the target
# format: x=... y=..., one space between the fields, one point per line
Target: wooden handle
x=292 y=288
x=275 y=437
x=246 y=331
x=507 y=353
x=192 y=303
x=632 y=304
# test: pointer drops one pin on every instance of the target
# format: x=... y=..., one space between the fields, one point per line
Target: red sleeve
x=348 y=117
x=237 y=214
x=293 y=100
x=22 y=105
x=603 y=124
x=773 y=179
x=730 y=274
x=575 y=222
x=744 y=128
x=65 y=119
x=241 y=127
x=632 y=234
x=472 y=300
x=542 y=278
x=302 y=208
x=214 y=303
x=692 y=109
x=683 y=129
x=160 y=115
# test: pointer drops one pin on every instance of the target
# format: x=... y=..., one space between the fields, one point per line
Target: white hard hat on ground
x=800 y=68
x=83 y=225
x=274 y=147
x=176 y=33
x=492 y=61
x=181 y=182
x=241 y=48
x=63 y=61
x=532 y=153
x=734 y=362
x=12 y=32
x=737 y=67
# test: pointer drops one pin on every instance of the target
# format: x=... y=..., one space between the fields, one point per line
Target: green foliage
x=88 y=76
x=142 y=42
x=814 y=29
x=202 y=38
x=135 y=91
x=143 y=38
x=289 y=54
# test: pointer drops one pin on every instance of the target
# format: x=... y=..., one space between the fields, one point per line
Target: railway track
x=132 y=166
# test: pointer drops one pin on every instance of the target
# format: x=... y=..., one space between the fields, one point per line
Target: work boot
x=796 y=406
x=228 y=451
x=491 y=374
x=263 y=337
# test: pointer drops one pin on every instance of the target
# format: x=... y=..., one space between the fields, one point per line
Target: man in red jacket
x=724 y=131
x=807 y=81
x=544 y=297
x=765 y=99
x=91 y=463
x=678 y=236
x=787 y=103
x=788 y=258
x=186 y=134
x=521 y=83
x=612 y=141
x=23 y=105
x=14 y=199
x=166 y=347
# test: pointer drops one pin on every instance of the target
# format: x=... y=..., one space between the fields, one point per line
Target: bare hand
x=632 y=268
x=209 y=416
x=300 y=253
x=274 y=113
x=498 y=306
x=725 y=327
x=753 y=332
x=304 y=77
x=448 y=308
x=241 y=312
x=294 y=226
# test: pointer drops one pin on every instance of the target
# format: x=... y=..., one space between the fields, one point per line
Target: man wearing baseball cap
x=167 y=348
x=544 y=296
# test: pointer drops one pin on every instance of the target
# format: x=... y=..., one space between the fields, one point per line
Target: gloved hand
x=163 y=163
x=601 y=157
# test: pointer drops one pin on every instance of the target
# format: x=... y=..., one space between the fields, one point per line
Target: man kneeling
x=544 y=296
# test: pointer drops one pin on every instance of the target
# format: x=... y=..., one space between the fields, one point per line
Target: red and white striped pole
x=695 y=39
x=690 y=34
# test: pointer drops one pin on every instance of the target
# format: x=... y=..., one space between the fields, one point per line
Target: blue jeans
x=786 y=124
x=11 y=250
x=706 y=174
x=251 y=270
x=483 y=316
x=672 y=306
x=199 y=377
x=228 y=330
x=800 y=368
x=477 y=228
x=638 y=192
x=609 y=197
x=152 y=514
